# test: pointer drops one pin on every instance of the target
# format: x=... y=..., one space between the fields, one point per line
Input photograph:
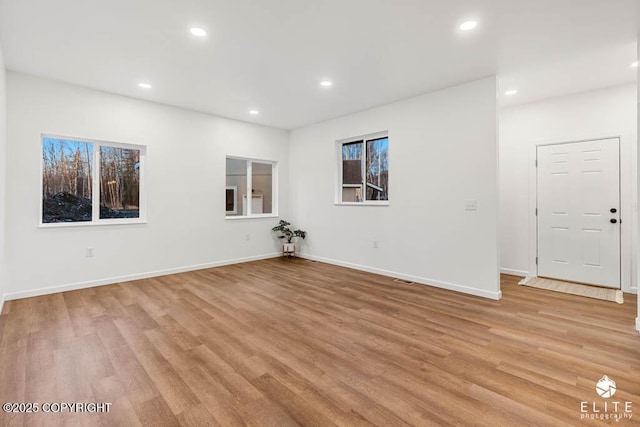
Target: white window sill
x=123 y=221
x=237 y=217
x=369 y=203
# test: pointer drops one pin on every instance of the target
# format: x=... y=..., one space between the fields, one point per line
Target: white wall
x=638 y=187
x=442 y=150
x=186 y=180
x=603 y=113
x=3 y=147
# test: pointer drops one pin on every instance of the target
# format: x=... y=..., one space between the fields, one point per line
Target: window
x=251 y=188
x=119 y=182
x=91 y=182
x=364 y=170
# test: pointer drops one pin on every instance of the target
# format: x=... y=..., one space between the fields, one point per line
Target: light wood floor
x=286 y=342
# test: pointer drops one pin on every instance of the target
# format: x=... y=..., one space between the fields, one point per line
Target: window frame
x=339 y=185
x=274 y=188
x=95 y=190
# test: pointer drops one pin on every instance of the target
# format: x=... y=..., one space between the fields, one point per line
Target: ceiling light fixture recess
x=511 y=92
x=144 y=85
x=326 y=83
x=254 y=112
x=469 y=25
x=198 y=32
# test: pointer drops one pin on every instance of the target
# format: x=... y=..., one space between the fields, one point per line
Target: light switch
x=471 y=205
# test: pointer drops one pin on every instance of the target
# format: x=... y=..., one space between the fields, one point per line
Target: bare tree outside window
x=119 y=182
x=378 y=169
x=67 y=183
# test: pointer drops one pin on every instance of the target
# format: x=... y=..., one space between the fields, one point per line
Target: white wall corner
x=514 y=272
x=638 y=324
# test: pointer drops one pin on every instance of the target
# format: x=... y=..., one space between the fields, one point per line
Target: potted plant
x=285 y=231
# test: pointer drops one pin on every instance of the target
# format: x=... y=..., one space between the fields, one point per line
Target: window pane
x=352 y=194
x=378 y=169
x=352 y=163
x=236 y=187
x=66 y=180
x=119 y=183
x=262 y=188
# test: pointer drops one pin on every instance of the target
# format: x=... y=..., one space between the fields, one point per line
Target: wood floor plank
x=172 y=388
x=197 y=416
x=296 y=406
x=286 y=342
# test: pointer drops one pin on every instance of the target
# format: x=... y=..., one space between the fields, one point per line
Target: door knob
x=613 y=210
x=613 y=220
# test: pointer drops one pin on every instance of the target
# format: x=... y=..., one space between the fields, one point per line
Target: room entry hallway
x=294 y=342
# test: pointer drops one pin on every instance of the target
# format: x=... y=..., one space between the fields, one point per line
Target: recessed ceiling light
x=254 y=112
x=635 y=64
x=144 y=85
x=511 y=92
x=469 y=25
x=198 y=32
x=326 y=83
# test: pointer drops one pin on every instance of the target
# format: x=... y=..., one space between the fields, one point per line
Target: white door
x=579 y=212
x=257 y=204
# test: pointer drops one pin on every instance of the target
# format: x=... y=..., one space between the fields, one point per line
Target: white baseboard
x=1 y=302
x=130 y=277
x=512 y=272
x=416 y=279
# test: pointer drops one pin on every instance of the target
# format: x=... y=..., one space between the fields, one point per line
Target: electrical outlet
x=375 y=244
x=247 y=236
x=89 y=252
x=471 y=205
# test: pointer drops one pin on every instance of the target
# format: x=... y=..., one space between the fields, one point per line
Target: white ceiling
x=271 y=55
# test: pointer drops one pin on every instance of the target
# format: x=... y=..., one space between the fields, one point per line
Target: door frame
x=537 y=216
x=628 y=212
